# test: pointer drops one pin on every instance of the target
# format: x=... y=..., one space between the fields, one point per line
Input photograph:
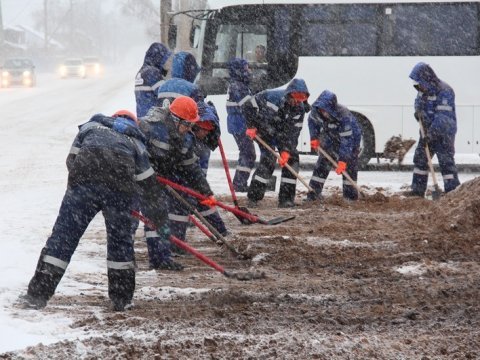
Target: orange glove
x=284 y=157
x=341 y=167
x=210 y=201
x=314 y=144
x=251 y=133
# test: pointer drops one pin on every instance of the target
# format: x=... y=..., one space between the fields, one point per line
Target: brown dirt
x=386 y=277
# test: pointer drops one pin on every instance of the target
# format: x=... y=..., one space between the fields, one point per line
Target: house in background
x=23 y=41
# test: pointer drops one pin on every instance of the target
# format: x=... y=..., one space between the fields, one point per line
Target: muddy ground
x=386 y=277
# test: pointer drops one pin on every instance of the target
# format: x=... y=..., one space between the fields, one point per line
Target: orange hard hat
x=185 y=108
x=127 y=114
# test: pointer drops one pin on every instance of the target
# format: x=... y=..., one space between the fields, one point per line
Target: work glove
x=314 y=144
x=341 y=167
x=284 y=157
x=210 y=201
x=251 y=133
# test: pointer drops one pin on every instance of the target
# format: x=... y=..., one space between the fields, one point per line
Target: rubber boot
x=43 y=284
x=121 y=285
x=159 y=251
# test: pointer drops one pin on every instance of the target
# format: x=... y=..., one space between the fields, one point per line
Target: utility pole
x=45 y=25
x=2 y=37
x=165 y=8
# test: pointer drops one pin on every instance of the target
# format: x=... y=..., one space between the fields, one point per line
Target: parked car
x=93 y=66
x=18 y=71
x=73 y=67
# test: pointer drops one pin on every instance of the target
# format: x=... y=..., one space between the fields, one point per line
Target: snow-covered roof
x=38 y=34
x=12 y=45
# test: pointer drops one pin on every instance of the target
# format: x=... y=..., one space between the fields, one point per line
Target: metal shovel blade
x=436 y=195
x=245 y=275
x=278 y=220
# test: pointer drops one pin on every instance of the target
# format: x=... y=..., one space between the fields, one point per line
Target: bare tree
x=147 y=11
x=76 y=24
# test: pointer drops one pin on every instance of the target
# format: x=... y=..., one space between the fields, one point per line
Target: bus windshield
x=249 y=32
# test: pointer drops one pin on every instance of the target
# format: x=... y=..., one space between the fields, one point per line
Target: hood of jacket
x=297 y=85
x=237 y=70
x=327 y=101
x=157 y=55
x=424 y=75
x=120 y=124
x=207 y=113
x=184 y=66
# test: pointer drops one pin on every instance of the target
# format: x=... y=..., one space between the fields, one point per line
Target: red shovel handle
x=201 y=227
x=197 y=195
x=181 y=244
x=197 y=254
x=227 y=172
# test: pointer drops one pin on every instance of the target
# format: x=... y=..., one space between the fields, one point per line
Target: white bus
x=362 y=51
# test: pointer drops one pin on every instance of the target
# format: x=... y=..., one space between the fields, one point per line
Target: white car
x=93 y=66
x=73 y=68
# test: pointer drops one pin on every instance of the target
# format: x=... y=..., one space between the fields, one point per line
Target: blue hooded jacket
x=437 y=105
x=340 y=131
x=238 y=93
x=276 y=118
x=184 y=66
x=109 y=151
x=149 y=77
x=203 y=147
x=184 y=71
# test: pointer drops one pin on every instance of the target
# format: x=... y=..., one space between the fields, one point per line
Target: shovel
x=233 y=210
x=436 y=193
x=205 y=222
x=202 y=228
x=292 y=170
x=243 y=220
x=347 y=176
x=242 y=276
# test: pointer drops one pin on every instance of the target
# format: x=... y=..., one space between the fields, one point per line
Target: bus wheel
x=367 y=143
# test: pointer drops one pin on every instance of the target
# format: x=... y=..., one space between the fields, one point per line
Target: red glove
x=341 y=167
x=284 y=157
x=314 y=144
x=251 y=133
x=210 y=201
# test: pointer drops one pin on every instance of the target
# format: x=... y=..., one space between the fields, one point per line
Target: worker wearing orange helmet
x=108 y=168
x=170 y=144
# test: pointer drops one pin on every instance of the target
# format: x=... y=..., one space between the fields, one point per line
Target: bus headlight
x=27 y=74
x=63 y=71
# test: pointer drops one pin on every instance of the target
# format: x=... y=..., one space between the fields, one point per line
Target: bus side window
x=407 y=31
